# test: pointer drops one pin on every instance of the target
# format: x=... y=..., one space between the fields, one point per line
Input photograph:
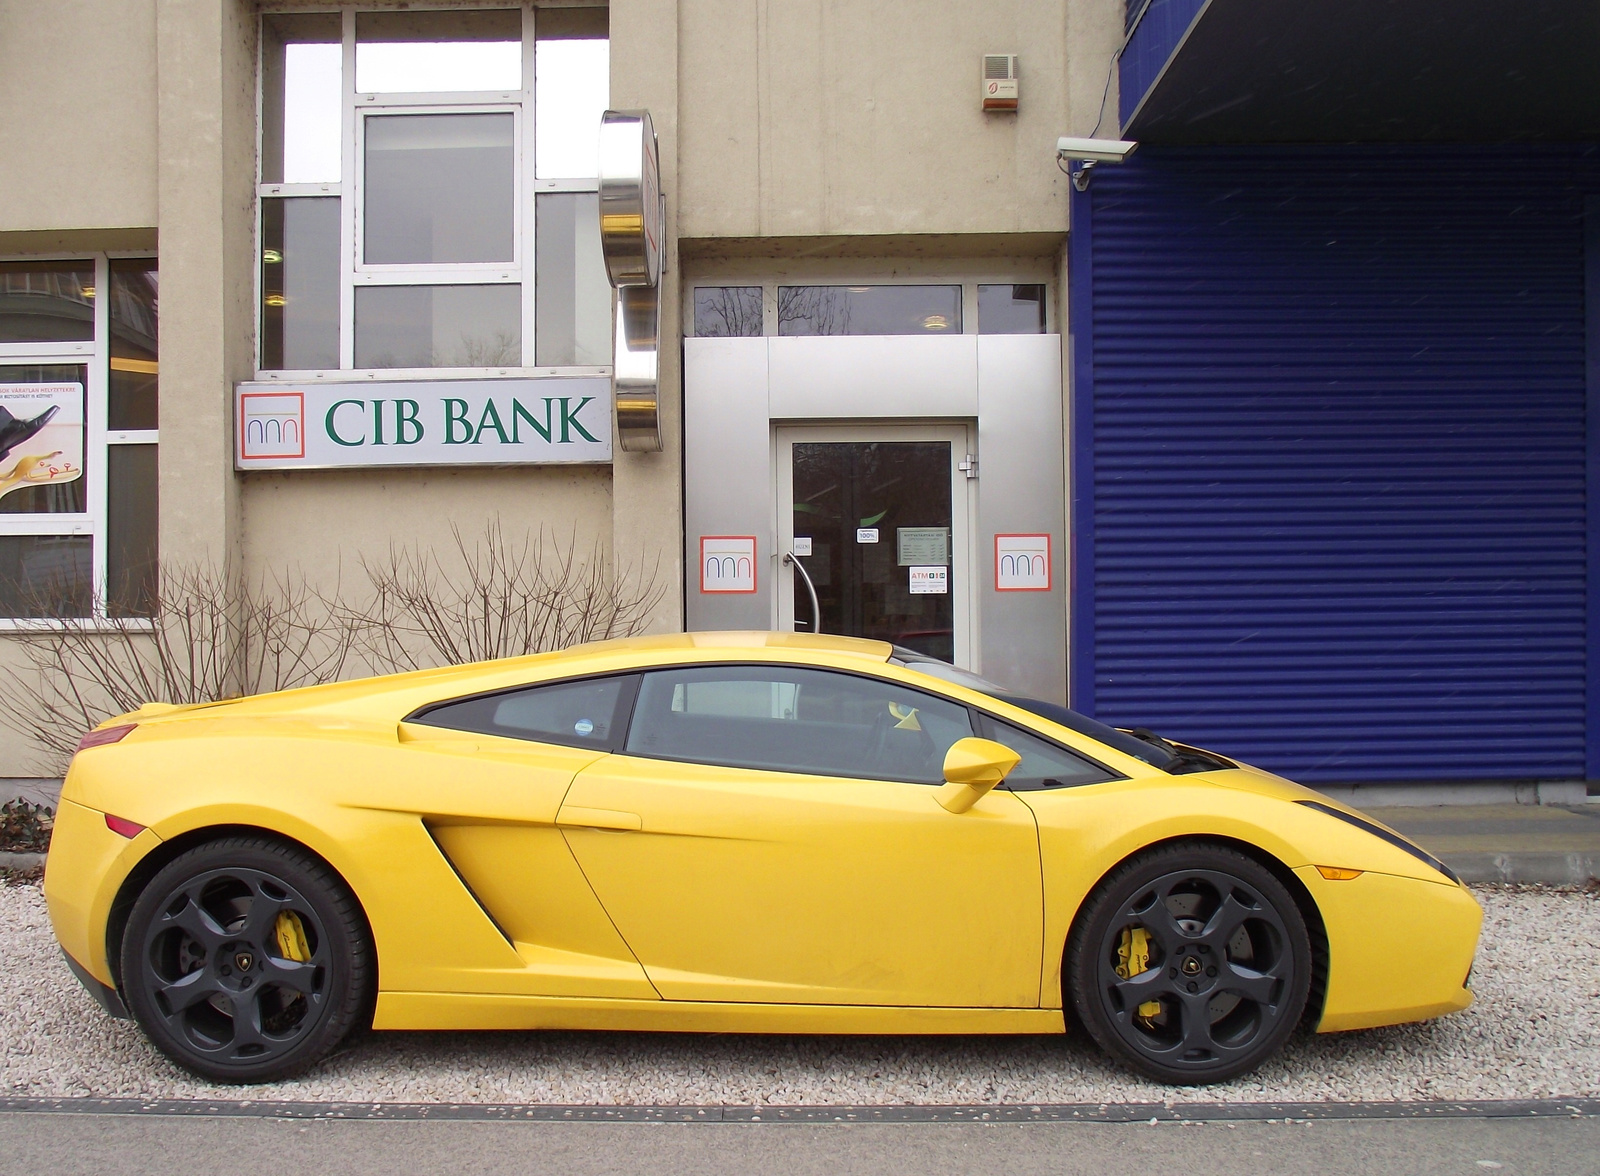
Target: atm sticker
x=930 y=581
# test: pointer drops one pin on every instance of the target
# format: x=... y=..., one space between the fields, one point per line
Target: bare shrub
x=501 y=597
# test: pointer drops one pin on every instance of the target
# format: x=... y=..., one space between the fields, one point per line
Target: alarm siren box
x=999 y=81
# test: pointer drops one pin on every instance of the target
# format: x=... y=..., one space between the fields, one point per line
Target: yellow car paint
x=516 y=884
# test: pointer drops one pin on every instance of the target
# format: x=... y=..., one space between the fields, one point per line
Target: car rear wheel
x=1190 y=962
x=246 y=960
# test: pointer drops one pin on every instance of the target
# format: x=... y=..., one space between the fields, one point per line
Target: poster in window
x=41 y=435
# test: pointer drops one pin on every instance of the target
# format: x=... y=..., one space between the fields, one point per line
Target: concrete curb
x=21 y=861
x=1549 y=869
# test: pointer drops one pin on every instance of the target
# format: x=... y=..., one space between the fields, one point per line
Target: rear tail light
x=123 y=827
x=103 y=735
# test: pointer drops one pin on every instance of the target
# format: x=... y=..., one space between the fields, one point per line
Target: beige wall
x=77 y=114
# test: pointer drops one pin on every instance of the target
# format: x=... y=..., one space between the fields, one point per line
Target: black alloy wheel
x=1191 y=962
x=246 y=960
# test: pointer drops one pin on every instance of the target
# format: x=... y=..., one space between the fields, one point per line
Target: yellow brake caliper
x=1133 y=954
x=291 y=933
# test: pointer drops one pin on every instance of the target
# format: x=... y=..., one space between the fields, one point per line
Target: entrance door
x=878 y=519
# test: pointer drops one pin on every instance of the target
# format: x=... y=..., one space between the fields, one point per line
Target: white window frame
x=95 y=355
x=354 y=272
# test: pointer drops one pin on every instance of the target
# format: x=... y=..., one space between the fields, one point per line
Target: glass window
x=1011 y=310
x=135 y=375
x=1044 y=764
x=572 y=88
x=302 y=94
x=132 y=499
x=572 y=304
x=440 y=188
x=299 y=283
x=438 y=52
x=722 y=312
x=43 y=445
x=869 y=310
x=585 y=713
x=46 y=575
x=46 y=301
x=438 y=326
x=790 y=719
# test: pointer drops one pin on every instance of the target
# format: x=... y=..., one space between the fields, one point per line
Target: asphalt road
x=134 y=1145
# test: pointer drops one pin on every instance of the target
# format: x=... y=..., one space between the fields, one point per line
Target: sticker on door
x=930 y=581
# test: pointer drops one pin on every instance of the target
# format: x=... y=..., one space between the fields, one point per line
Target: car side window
x=794 y=719
x=587 y=712
x=1044 y=764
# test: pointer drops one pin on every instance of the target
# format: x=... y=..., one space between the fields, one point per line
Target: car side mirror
x=971 y=768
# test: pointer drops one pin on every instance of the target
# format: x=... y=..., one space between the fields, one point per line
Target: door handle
x=592 y=818
x=816 y=612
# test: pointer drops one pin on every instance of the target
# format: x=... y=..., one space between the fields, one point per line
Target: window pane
x=438 y=326
x=439 y=188
x=301 y=98
x=438 y=52
x=131 y=491
x=300 y=283
x=578 y=714
x=42 y=439
x=1044 y=764
x=45 y=576
x=572 y=307
x=46 y=301
x=869 y=310
x=787 y=719
x=572 y=88
x=135 y=290
x=727 y=311
x=1011 y=310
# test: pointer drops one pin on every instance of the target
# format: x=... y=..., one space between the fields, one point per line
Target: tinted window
x=727 y=311
x=1044 y=764
x=585 y=713
x=869 y=310
x=1010 y=310
x=788 y=719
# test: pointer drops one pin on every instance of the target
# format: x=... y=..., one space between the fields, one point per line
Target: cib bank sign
x=422 y=423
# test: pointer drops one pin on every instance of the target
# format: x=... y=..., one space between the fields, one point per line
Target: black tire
x=1228 y=968
x=205 y=973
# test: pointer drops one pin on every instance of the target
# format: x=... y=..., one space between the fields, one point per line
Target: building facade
x=1274 y=437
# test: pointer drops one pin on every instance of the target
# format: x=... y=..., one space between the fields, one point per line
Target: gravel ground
x=1533 y=1033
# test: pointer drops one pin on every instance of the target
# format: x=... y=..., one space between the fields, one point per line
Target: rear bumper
x=104 y=995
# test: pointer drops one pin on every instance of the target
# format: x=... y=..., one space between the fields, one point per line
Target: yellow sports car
x=729 y=832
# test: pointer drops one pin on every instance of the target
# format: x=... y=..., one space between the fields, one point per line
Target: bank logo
x=727 y=563
x=1022 y=563
x=272 y=424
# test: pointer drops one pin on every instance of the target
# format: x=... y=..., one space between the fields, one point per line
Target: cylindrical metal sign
x=630 y=198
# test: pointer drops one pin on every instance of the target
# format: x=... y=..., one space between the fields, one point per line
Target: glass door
x=876 y=520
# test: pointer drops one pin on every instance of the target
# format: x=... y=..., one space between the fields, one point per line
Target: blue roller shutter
x=1331 y=508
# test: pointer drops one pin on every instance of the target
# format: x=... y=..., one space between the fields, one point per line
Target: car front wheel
x=1190 y=962
x=246 y=960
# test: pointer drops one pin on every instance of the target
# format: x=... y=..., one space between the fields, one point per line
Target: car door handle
x=592 y=818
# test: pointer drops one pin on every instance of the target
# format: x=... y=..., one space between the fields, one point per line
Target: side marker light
x=123 y=827
x=1338 y=873
x=104 y=735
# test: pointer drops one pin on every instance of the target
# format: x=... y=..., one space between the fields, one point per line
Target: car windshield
x=1152 y=750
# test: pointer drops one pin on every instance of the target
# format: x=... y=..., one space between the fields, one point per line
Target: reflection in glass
x=1011 y=310
x=438 y=326
x=572 y=307
x=869 y=310
x=135 y=380
x=572 y=88
x=299 y=283
x=131 y=492
x=56 y=497
x=46 y=301
x=439 y=188
x=46 y=575
x=722 y=312
x=438 y=52
x=301 y=97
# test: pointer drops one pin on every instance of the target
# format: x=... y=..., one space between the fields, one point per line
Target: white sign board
x=727 y=563
x=866 y=534
x=1022 y=563
x=922 y=545
x=930 y=581
x=41 y=435
x=421 y=423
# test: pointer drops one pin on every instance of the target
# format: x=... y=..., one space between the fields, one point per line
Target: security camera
x=1094 y=150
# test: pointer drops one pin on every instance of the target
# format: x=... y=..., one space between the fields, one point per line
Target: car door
x=769 y=833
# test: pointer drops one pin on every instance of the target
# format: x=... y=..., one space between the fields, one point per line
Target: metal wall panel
x=1333 y=520
x=839 y=377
